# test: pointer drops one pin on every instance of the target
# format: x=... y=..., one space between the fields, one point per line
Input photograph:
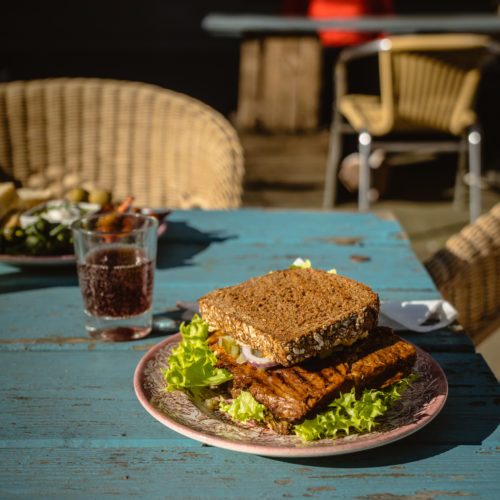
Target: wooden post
x=279 y=83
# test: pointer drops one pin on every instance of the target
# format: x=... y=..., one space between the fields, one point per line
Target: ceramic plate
x=65 y=260
x=32 y=261
x=419 y=405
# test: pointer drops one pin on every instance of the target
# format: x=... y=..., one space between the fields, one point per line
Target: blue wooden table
x=71 y=425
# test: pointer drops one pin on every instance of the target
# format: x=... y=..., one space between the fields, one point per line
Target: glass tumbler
x=116 y=256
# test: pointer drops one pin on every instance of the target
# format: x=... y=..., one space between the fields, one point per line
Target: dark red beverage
x=116 y=281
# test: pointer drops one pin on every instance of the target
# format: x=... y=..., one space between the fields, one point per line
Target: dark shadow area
x=466 y=419
x=160 y=43
x=7 y=177
x=33 y=278
x=392 y=455
x=168 y=322
x=423 y=181
x=182 y=242
x=417 y=178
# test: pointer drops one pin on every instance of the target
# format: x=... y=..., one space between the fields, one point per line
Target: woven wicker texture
x=426 y=82
x=162 y=147
x=467 y=272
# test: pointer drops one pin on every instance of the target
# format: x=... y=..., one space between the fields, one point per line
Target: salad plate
x=419 y=405
x=37 y=261
x=60 y=211
x=69 y=259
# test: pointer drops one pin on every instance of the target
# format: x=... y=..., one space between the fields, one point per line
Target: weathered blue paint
x=70 y=424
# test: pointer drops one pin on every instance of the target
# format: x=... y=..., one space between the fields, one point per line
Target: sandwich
x=299 y=350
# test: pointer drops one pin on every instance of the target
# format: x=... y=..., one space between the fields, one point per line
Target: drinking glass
x=116 y=256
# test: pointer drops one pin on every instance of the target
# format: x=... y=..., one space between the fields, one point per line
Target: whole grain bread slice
x=294 y=314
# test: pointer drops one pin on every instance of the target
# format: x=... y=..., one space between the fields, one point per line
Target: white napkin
x=416 y=315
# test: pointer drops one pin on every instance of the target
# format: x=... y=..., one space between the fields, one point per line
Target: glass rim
x=151 y=221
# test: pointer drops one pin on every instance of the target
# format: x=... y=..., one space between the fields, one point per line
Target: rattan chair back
x=427 y=89
x=467 y=273
x=426 y=82
x=162 y=147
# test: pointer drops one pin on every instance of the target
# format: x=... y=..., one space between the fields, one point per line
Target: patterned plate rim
x=32 y=260
x=337 y=447
x=51 y=260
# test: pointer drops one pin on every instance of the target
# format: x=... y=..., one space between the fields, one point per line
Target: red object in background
x=321 y=9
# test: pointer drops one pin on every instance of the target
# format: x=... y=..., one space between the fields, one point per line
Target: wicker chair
x=467 y=272
x=427 y=85
x=162 y=147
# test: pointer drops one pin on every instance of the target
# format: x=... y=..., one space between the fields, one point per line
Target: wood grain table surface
x=71 y=425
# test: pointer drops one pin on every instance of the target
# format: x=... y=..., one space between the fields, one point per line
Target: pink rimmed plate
x=37 y=261
x=176 y=410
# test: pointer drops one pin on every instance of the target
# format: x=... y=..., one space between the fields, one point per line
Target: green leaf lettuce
x=244 y=408
x=348 y=413
x=192 y=365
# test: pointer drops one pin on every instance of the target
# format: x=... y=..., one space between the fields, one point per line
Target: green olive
x=100 y=196
x=41 y=225
x=32 y=242
x=77 y=195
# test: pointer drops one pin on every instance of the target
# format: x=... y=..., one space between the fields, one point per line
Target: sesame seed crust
x=294 y=314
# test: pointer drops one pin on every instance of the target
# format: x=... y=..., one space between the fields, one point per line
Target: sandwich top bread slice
x=294 y=314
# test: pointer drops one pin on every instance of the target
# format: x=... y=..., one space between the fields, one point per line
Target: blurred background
x=164 y=43
x=284 y=122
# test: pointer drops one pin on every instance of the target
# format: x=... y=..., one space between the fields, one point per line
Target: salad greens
x=300 y=263
x=346 y=414
x=192 y=364
x=349 y=413
x=244 y=408
x=38 y=238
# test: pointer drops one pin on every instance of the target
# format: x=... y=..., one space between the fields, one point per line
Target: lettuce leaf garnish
x=244 y=408
x=192 y=365
x=300 y=263
x=348 y=413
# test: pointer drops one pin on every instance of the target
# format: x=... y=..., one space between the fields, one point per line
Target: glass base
x=118 y=329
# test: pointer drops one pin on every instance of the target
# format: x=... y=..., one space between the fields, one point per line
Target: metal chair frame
x=468 y=142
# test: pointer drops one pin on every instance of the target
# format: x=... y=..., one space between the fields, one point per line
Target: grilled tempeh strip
x=296 y=392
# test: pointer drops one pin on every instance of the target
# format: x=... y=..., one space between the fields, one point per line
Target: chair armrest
x=365 y=50
x=350 y=54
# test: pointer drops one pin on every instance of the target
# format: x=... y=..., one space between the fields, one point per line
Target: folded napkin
x=416 y=315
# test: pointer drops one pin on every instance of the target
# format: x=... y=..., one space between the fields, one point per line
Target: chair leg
x=459 y=192
x=333 y=161
x=364 y=145
x=474 y=140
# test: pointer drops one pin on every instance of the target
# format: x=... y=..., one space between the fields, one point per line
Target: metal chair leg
x=333 y=161
x=474 y=140
x=459 y=192
x=364 y=145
